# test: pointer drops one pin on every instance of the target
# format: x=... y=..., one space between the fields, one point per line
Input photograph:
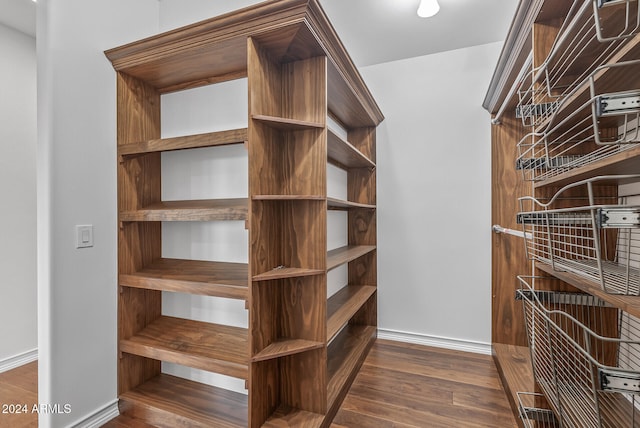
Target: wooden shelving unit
x=538 y=35
x=301 y=351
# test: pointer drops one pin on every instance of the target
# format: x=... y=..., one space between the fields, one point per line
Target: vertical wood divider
x=138 y=119
x=362 y=224
x=285 y=232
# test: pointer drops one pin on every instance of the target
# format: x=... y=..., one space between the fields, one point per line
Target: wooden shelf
x=210 y=139
x=195 y=210
x=343 y=255
x=344 y=304
x=286 y=416
x=286 y=347
x=286 y=124
x=288 y=198
x=343 y=154
x=219 y=279
x=332 y=203
x=345 y=355
x=629 y=304
x=167 y=400
x=339 y=204
x=616 y=410
x=212 y=347
x=515 y=370
x=286 y=272
x=625 y=162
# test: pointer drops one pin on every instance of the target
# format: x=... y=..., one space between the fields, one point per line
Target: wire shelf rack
x=606 y=124
x=532 y=415
x=600 y=243
x=585 y=355
x=594 y=30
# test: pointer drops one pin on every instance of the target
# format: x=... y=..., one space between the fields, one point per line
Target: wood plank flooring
x=19 y=387
x=403 y=385
x=400 y=385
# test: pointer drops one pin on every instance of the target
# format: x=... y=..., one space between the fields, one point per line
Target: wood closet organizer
x=564 y=100
x=301 y=351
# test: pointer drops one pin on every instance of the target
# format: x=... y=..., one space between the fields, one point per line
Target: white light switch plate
x=84 y=235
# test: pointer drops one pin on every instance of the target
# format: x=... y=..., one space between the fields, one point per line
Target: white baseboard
x=18 y=360
x=99 y=417
x=439 y=342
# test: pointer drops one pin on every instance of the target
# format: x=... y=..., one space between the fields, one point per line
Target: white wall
x=18 y=310
x=434 y=194
x=77 y=185
x=176 y=13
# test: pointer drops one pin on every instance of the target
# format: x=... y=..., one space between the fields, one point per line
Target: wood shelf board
x=615 y=409
x=193 y=210
x=284 y=347
x=515 y=370
x=344 y=154
x=210 y=139
x=167 y=400
x=207 y=278
x=342 y=255
x=287 y=124
x=287 y=416
x=344 y=304
x=288 y=198
x=345 y=355
x=625 y=162
x=340 y=204
x=629 y=304
x=212 y=347
x=286 y=272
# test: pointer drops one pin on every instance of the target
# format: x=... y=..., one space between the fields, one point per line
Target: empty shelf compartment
x=169 y=401
x=206 y=346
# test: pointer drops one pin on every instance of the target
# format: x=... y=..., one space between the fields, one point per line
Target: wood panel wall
x=508 y=252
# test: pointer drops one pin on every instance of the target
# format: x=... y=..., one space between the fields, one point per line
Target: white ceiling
x=374 y=31
x=19 y=14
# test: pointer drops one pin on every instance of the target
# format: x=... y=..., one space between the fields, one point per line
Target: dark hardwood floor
x=403 y=385
x=400 y=385
x=19 y=392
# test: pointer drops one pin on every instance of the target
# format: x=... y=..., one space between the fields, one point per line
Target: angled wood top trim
x=215 y=50
x=338 y=55
x=240 y=23
x=514 y=54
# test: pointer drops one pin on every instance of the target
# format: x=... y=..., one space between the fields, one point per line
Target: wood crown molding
x=515 y=52
x=165 y=60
